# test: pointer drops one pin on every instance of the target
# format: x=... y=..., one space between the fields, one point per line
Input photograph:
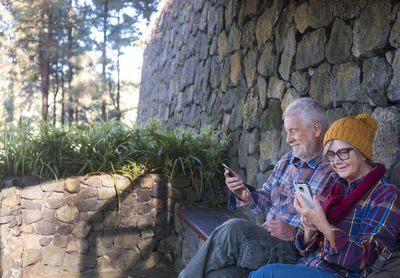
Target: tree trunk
x=55 y=95
x=62 y=99
x=70 y=66
x=118 y=73
x=104 y=63
x=44 y=59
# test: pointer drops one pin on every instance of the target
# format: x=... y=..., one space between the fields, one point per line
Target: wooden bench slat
x=203 y=222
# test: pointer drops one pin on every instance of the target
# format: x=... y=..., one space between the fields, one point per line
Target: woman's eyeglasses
x=343 y=154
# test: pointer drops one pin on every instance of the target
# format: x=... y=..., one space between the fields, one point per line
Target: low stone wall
x=74 y=224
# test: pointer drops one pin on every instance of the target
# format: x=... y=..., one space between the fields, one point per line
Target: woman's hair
x=360 y=156
x=310 y=110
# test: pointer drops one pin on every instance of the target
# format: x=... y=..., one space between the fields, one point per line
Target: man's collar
x=313 y=162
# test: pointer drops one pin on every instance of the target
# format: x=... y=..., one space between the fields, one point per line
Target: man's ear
x=317 y=129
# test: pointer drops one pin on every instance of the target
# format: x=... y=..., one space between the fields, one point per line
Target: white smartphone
x=306 y=193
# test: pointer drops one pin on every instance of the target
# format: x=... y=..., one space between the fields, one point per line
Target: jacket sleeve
x=380 y=222
x=305 y=248
x=259 y=201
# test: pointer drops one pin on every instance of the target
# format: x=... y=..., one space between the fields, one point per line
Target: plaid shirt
x=277 y=194
x=374 y=218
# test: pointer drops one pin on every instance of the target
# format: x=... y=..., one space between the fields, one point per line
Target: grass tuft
x=113 y=147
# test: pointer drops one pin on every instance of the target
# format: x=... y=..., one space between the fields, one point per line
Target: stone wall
x=74 y=224
x=238 y=64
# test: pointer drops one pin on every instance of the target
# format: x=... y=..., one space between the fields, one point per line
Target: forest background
x=60 y=60
x=62 y=96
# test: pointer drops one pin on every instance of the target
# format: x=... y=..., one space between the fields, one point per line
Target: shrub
x=113 y=147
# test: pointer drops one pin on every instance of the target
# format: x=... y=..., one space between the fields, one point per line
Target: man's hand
x=235 y=184
x=279 y=229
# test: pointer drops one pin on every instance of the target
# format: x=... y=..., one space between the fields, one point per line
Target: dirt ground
x=151 y=273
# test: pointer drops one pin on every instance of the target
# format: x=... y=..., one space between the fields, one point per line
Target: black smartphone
x=249 y=187
x=227 y=168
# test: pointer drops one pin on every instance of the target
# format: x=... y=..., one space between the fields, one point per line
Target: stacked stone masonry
x=237 y=64
x=74 y=224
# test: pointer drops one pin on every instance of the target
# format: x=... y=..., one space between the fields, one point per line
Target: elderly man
x=239 y=246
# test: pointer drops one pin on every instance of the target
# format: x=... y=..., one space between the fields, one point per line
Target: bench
x=204 y=221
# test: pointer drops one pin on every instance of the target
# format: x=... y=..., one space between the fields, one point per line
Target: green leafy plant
x=15 y=150
x=55 y=153
x=113 y=147
x=188 y=152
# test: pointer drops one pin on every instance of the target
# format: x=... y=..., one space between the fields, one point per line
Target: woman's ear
x=317 y=129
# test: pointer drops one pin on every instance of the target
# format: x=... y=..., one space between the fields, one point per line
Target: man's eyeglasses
x=343 y=154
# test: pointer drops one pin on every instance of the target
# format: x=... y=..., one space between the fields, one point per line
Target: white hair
x=310 y=110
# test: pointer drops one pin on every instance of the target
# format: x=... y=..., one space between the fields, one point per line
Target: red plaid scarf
x=337 y=206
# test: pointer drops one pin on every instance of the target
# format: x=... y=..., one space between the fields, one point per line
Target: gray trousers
x=235 y=248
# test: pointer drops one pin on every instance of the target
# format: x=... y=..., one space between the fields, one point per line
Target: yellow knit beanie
x=358 y=131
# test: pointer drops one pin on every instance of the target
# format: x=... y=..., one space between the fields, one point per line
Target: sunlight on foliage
x=114 y=148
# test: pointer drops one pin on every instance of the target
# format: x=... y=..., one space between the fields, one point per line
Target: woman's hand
x=316 y=217
x=309 y=228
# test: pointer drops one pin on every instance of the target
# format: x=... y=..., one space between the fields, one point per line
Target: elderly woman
x=359 y=213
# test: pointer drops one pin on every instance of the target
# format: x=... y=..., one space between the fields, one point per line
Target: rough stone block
x=11 y=201
x=52 y=255
x=30 y=256
x=146 y=247
x=74 y=263
x=6 y=262
x=81 y=229
x=8 y=211
x=45 y=241
x=122 y=182
x=64 y=229
x=31 y=216
x=61 y=240
x=56 y=200
x=77 y=246
x=48 y=214
x=159 y=190
x=67 y=214
x=174 y=193
x=147 y=181
x=147 y=233
x=94 y=181
x=45 y=228
x=104 y=265
x=32 y=193
x=72 y=185
x=72 y=200
x=128 y=259
x=53 y=186
x=107 y=181
x=144 y=195
x=168 y=244
x=90 y=204
x=106 y=193
x=41 y=270
x=87 y=192
x=127 y=239
x=144 y=222
x=111 y=219
x=310 y=50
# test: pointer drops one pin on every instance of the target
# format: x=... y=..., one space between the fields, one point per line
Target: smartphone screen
x=306 y=193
